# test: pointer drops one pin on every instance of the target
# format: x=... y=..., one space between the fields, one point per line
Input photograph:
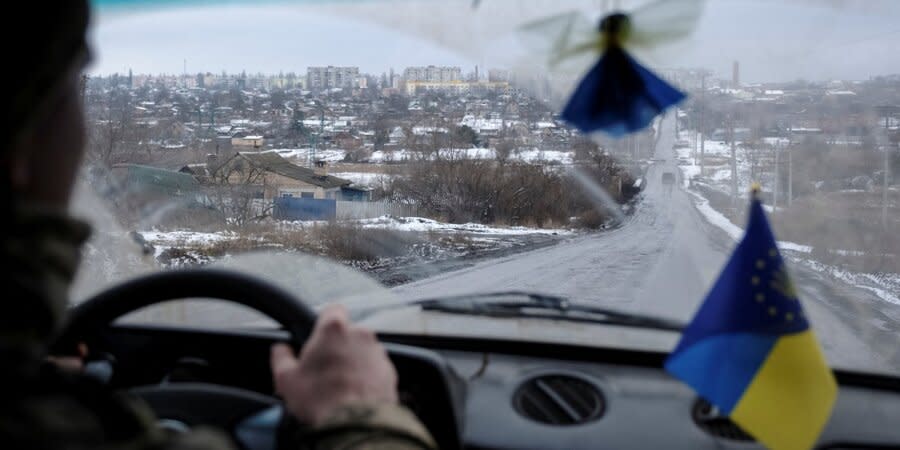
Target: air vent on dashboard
x=559 y=400
x=710 y=420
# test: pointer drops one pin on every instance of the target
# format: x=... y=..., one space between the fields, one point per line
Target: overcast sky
x=773 y=40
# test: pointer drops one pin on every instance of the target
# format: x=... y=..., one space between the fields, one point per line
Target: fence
x=369 y=210
x=293 y=208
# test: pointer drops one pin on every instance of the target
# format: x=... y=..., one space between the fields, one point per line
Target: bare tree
x=504 y=148
x=238 y=189
x=753 y=153
x=382 y=128
x=109 y=128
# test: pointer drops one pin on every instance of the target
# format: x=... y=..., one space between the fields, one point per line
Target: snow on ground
x=290 y=153
x=718 y=173
x=777 y=141
x=165 y=240
x=524 y=155
x=301 y=154
x=688 y=172
x=535 y=155
x=530 y=155
x=717 y=148
x=364 y=178
x=716 y=218
x=422 y=224
x=380 y=156
x=486 y=124
x=735 y=232
x=191 y=238
x=884 y=286
x=333 y=155
x=721 y=175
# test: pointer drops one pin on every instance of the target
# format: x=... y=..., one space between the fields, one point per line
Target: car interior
x=493 y=392
x=470 y=393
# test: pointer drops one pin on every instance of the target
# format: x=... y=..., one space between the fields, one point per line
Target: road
x=662 y=261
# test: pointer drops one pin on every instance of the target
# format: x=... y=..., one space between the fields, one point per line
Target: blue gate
x=292 y=208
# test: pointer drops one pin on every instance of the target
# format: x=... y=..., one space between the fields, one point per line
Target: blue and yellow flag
x=750 y=351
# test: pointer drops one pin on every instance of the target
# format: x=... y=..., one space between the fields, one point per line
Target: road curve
x=662 y=261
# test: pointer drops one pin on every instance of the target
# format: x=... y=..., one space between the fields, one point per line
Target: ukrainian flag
x=750 y=351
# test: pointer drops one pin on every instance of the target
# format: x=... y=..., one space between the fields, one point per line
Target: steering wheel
x=222 y=406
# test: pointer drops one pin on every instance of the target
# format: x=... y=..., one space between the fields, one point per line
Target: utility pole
x=676 y=123
x=884 y=189
x=702 y=119
x=888 y=112
x=790 y=183
x=734 y=180
x=887 y=168
x=693 y=138
x=777 y=175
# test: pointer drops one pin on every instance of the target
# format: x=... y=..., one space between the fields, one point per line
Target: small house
x=279 y=178
x=243 y=140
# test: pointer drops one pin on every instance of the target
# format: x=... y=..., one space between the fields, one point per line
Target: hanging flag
x=751 y=352
x=617 y=95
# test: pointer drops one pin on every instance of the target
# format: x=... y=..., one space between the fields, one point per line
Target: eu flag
x=750 y=351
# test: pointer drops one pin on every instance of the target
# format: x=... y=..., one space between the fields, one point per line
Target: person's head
x=43 y=139
x=41 y=146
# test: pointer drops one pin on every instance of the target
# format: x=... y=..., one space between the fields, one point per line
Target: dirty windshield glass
x=422 y=143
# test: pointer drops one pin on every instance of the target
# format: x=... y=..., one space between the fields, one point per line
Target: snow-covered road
x=662 y=261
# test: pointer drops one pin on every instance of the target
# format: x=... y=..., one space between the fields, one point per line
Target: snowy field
x=400 y=224
x=523 y=155
x=884 y=285
x=187 y=238
x=369 y=179
x=529 y=155
x=301 y=155
x=421 y=246
x=421 y=224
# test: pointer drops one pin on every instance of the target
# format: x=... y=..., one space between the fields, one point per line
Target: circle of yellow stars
x=780 y=282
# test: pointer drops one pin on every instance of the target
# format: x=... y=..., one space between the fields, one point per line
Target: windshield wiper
x=539 y=306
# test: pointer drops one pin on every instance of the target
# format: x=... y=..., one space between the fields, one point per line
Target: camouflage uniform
x=42 y=407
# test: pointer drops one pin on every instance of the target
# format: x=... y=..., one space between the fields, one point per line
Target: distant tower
x=476 y=73
x=130 y=79
x=736 y=74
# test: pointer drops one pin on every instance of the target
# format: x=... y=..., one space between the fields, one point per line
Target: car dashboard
x=493 y=394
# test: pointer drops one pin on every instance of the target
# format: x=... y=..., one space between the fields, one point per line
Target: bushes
x=514 y=193
x=335 y=240
x=843 y=229
x=351 y=242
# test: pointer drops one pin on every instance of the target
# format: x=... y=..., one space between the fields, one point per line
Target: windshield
x=421 y=143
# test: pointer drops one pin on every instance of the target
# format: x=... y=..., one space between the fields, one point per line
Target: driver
x=341 y=385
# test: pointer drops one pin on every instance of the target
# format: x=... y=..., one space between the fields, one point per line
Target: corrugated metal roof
x=156 y=179
x=272 y=162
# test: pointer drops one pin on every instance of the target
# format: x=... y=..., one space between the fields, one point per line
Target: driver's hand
x=340 y=364
x=74 y=364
